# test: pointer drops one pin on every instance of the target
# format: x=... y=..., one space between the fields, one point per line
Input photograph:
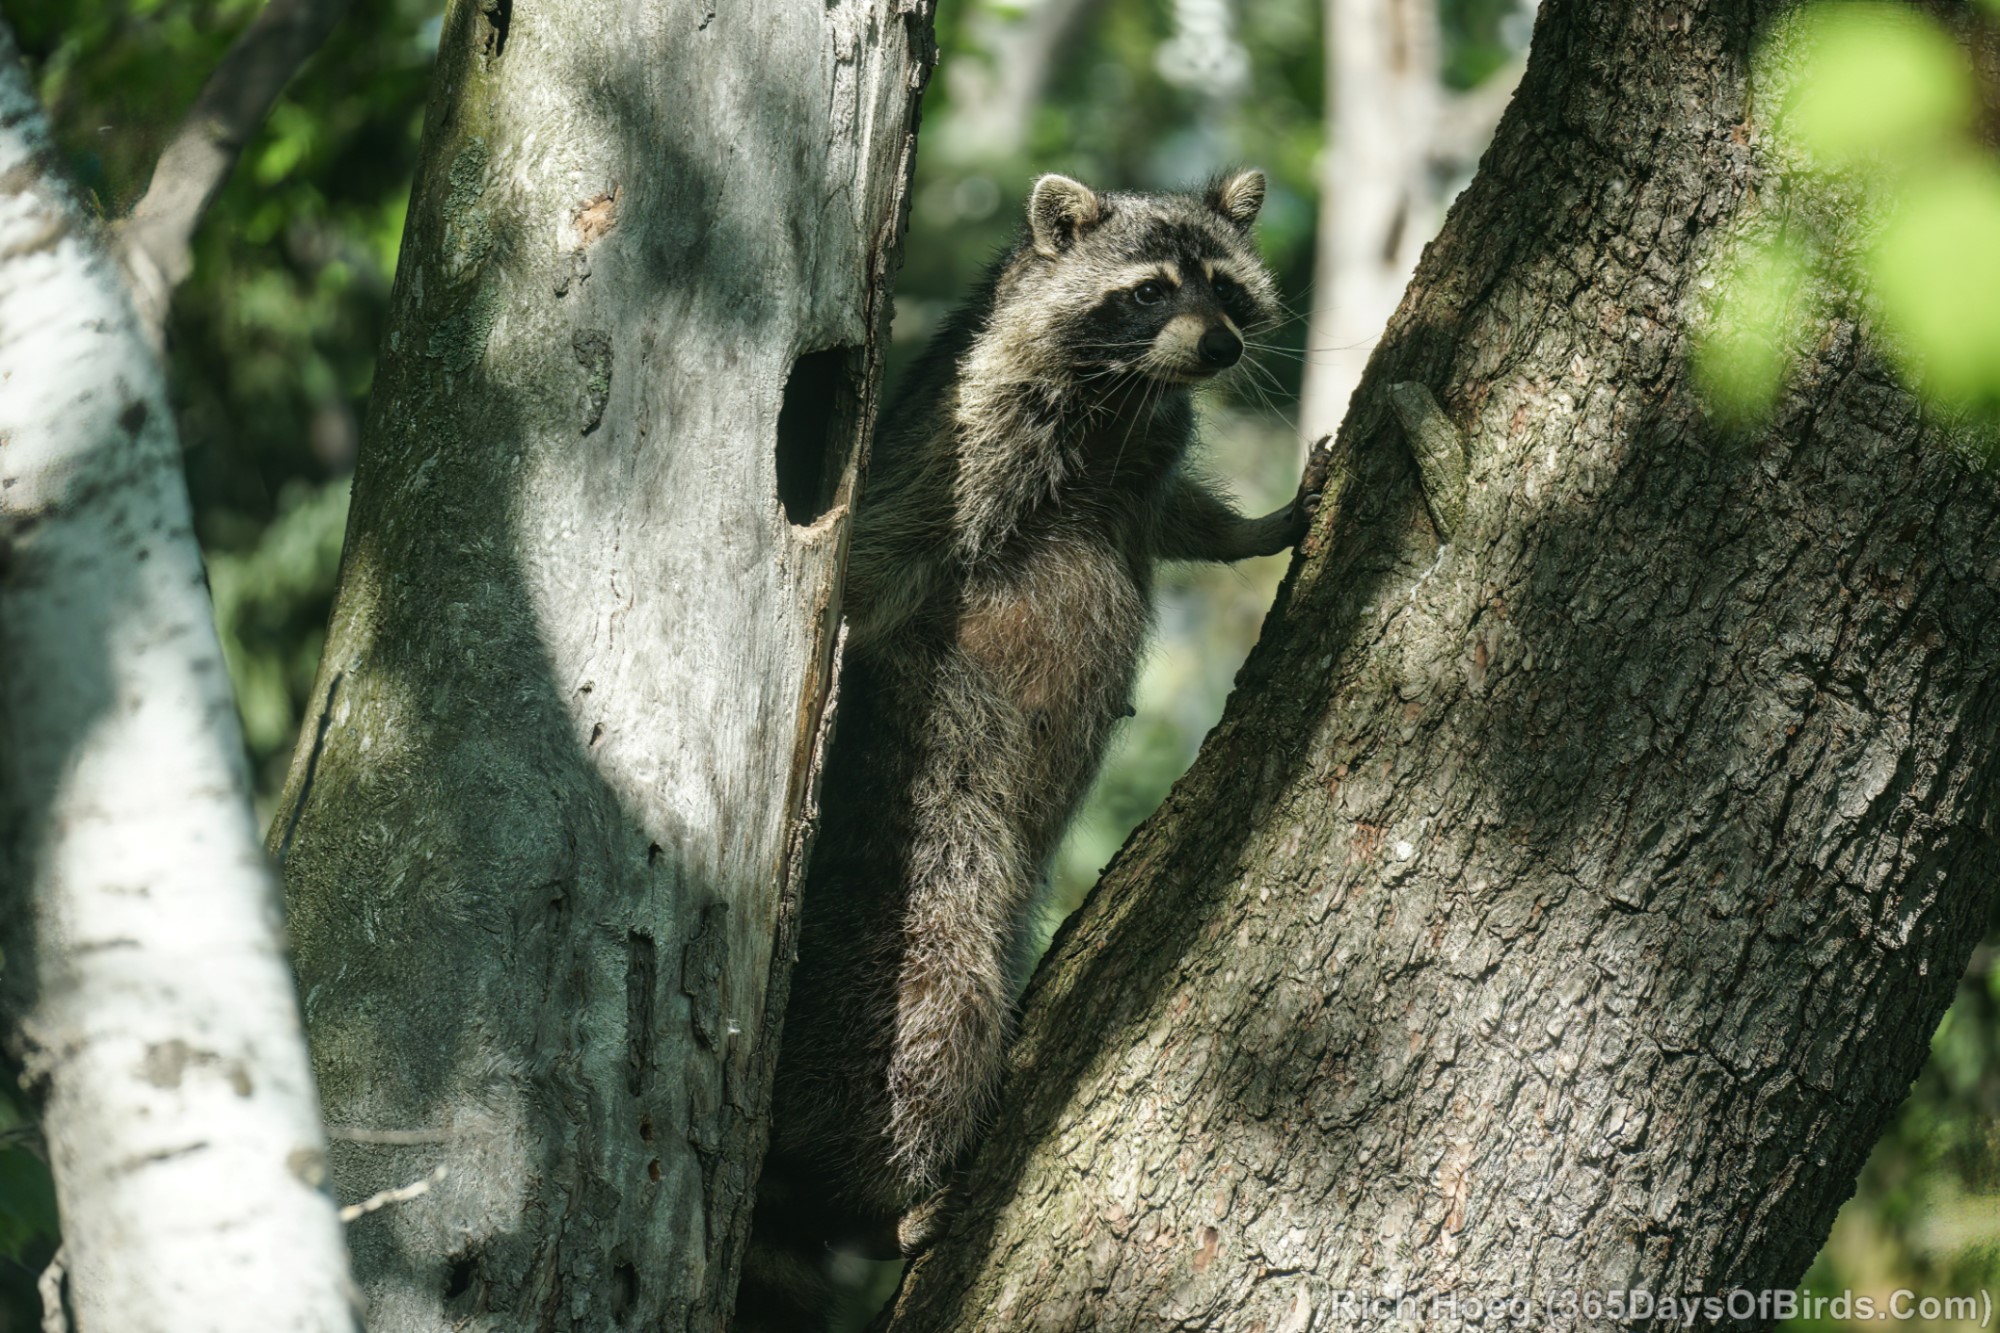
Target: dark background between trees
x=273 y=343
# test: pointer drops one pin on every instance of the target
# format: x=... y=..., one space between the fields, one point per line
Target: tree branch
x=49 y=1284
x=157 y=240
x=1439 y=449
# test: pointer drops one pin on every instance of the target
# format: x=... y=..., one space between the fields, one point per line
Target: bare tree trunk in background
x=1566 y=907
x=1376 y=206
x=143 y=964
x=997 y=96
x=1395 y=142
x=541 y=841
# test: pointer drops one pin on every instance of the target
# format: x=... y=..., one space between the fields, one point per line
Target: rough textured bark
x=143 y=964
x=540 y=841
x=1561 y=909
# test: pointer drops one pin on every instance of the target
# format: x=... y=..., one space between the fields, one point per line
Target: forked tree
x=1597 y=833
x=1562 y=905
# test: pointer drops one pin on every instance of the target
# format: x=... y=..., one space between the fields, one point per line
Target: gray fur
x=998 y=594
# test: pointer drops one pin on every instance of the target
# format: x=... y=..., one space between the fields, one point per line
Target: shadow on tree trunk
x=1563 y=910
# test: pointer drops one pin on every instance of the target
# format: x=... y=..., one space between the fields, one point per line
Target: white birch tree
x=156 y=1014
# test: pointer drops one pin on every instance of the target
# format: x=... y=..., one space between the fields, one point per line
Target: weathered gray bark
x=1564 y=908
x=542 y=835
x=146 y=986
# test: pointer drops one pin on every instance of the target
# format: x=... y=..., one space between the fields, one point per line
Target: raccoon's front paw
x=1312 y=483
x=920 y=1227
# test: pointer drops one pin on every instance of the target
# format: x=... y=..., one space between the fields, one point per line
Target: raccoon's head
x=1154 y=286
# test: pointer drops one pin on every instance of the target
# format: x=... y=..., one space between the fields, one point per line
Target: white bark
x=158 y=1014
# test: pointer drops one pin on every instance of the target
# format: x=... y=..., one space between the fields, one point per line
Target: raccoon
x=998 y=593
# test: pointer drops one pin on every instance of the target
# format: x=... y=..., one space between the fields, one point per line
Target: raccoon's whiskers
x=1263 y=397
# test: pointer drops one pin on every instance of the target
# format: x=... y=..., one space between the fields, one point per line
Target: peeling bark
x=542 y=844
x=1564 y=908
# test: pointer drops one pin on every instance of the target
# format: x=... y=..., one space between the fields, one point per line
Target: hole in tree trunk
x=815 y=426
x=459 y=1279
x=499 y=14
x=624 y=1291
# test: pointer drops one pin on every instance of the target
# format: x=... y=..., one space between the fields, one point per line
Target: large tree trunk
x=1566 y=907
x=541 y=841
x=143 y=964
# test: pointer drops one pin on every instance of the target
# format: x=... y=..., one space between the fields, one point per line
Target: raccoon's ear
x=1059 y=211
x=1238 y=196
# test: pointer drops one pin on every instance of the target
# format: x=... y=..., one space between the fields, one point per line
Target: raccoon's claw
x=920 y=1228
x=1312 y=483
x=1319 y=468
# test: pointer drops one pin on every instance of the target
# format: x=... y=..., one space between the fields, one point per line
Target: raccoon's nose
x=1219 y=348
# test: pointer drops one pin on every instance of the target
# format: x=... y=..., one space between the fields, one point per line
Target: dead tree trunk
x=540 y=840
x=1562 y=908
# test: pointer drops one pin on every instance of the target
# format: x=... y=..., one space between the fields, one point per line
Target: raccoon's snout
x=1219 y=349
x=1191 y=348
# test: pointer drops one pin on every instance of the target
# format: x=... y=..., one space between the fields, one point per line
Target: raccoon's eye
x=1224 y=289
x=1149 y=293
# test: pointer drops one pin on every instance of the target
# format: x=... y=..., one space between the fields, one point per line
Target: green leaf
x=1742 y=357
x=1935 y=268
x=1869 y=80
x=27 y=1203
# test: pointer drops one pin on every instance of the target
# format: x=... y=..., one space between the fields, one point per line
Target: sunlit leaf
x=1742 y=358
x=1871 y=79
x=1936 y=272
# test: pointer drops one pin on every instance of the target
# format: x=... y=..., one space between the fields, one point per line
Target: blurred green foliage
x=27 y=1214
x=273 y=343
x=270 y=604
x=1884 y=197
x=1925 y=1216
x=272 y=340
